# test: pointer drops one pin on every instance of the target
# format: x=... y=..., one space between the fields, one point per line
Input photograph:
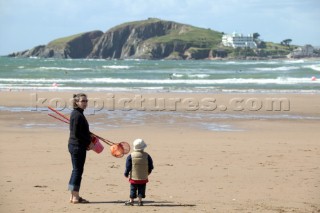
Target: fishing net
x=126 y=147
x=120 y=149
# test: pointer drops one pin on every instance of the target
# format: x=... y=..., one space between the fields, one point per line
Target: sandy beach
x=211 y=152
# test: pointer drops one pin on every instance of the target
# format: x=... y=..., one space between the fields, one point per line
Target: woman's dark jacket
x=79 y=129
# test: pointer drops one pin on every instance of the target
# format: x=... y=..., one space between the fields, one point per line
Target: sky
x=25 y=24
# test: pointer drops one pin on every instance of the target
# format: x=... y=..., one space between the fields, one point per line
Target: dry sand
x=264 y=165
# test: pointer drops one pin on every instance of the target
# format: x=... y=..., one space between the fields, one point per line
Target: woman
x=79 y=143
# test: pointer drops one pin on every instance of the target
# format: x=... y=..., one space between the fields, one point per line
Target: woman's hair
x=76 y=98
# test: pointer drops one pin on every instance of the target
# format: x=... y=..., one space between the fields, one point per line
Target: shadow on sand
x=147 y=203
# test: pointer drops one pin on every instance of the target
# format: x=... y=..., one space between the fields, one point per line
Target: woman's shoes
x=81 y=200
x=140 y=203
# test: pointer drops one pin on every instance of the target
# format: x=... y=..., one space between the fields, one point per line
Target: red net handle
x=66 y=119
x=117 y=149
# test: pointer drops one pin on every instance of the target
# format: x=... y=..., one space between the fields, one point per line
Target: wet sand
x=265 y=161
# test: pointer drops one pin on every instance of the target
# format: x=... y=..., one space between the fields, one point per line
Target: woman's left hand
x=90 y=146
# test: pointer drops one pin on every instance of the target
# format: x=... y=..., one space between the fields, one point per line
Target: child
x=139 y=165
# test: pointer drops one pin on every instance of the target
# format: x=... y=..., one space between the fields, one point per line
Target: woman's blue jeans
x=78 y=158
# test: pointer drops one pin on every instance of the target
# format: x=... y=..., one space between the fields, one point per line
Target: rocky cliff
x=148 y=39
x=77 y=46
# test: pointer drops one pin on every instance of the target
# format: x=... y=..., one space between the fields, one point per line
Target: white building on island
x=300 y=52
x=238 y=40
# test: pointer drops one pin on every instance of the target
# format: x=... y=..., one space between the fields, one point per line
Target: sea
x=203 y=76
x=190 y=76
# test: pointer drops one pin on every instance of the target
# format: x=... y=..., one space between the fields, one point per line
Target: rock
x=148 y=39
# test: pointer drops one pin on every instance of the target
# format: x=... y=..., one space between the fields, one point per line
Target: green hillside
x=61 y=42
x=198 y=37
x=194 y=36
